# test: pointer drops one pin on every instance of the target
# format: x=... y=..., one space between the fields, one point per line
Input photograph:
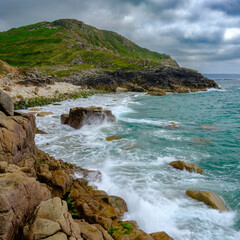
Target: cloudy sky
x=199 y=34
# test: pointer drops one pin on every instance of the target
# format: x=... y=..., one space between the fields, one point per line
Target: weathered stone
x=161 y=236
x=19 y=196
x=38 y=131
x=58 y=236
x=43 y=114
x=86 y=116
x=64 y=118
x=6 y=103
x=190 y=167
x=209 y=198
x=16 y=136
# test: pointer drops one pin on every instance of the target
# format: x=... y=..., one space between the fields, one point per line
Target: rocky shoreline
x=42 y=199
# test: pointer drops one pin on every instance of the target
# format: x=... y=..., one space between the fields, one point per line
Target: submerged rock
x=43 y=114
x=173 y=125
x=6 y=103
x=80 y=116
x=209 y=198
x=113 y=138
x=190 y=167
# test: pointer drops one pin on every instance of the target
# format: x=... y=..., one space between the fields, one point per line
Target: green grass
x=49 y=45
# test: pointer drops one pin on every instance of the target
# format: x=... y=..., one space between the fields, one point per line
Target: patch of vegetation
x=71 y=208
x=123 y=228
x=52 y=44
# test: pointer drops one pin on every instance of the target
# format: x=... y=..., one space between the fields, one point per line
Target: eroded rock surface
x=209 y=198
x=6 y=103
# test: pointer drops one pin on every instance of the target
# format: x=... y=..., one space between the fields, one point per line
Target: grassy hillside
x=65 y=46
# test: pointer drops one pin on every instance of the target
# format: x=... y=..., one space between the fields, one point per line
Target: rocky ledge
x=40 y=198
x=156 y=82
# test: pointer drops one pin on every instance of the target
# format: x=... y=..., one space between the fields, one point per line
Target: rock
x=50 y=220
x=114 y=138
x=93 y=231
x=43 y=114
x=161 y=236
x=34 y=109
x=80 y=116
x=173 y=125
x=202 y=141
x=209 y=198
x=38 y=131
x=64 y=118
x=17 y=135
x=209 y=127
x=190 y=167
x=7 y=89
x=19 y=196
x=6 y=103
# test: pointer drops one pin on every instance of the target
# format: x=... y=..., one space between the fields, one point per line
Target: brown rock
x=6 y=103
x=64 y=118
x=34 y=109
x=38 y=131
x=190 y=167
x=113 y=138
x=51 y=219
x=161 y=236
x=209 y=198
x=43 y=114
x=19 y=196
x=86 y=116
x=173 y=125
x=17 y=135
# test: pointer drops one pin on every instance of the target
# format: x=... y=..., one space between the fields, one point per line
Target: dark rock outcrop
x=80 y=116
x=157 y=81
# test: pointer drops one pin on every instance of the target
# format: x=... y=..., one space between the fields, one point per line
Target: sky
x=199 y=34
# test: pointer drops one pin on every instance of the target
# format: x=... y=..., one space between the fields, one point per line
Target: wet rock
x=80 y=116
x=34 y=109
x=38 y=131
x=19 y=196
x=209 y=198
x=209 y=127
x=64 y=118
x=161 y=236
x=202 y=141
x=113 y=138
x=173 y=125
x=6 y=103
x=43 y=114
x=190 y=167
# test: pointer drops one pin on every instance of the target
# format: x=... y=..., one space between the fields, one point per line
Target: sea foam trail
x=136 y=166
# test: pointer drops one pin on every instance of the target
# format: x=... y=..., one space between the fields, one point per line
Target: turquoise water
x=136 y=167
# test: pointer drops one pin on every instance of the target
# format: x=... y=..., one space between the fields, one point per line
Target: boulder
x=190 y=167
x=19 y=197
x=161 y=236
x=6 y=103
x=209 y=198
x=80 y=116
x=64 y=118
x=51 y=220
x=17 y=135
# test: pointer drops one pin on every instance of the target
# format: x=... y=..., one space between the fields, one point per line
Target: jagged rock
x=209 y=198
x=19 y=196
x=64 y=118
x=51 y=219
x=80 y=116
x=190 y=167
x=38 y=131
x=6 y=103
x=16 y=136
x=43 y=114
x=161 y=236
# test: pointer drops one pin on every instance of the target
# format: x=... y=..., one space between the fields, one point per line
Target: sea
x=136 y=167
